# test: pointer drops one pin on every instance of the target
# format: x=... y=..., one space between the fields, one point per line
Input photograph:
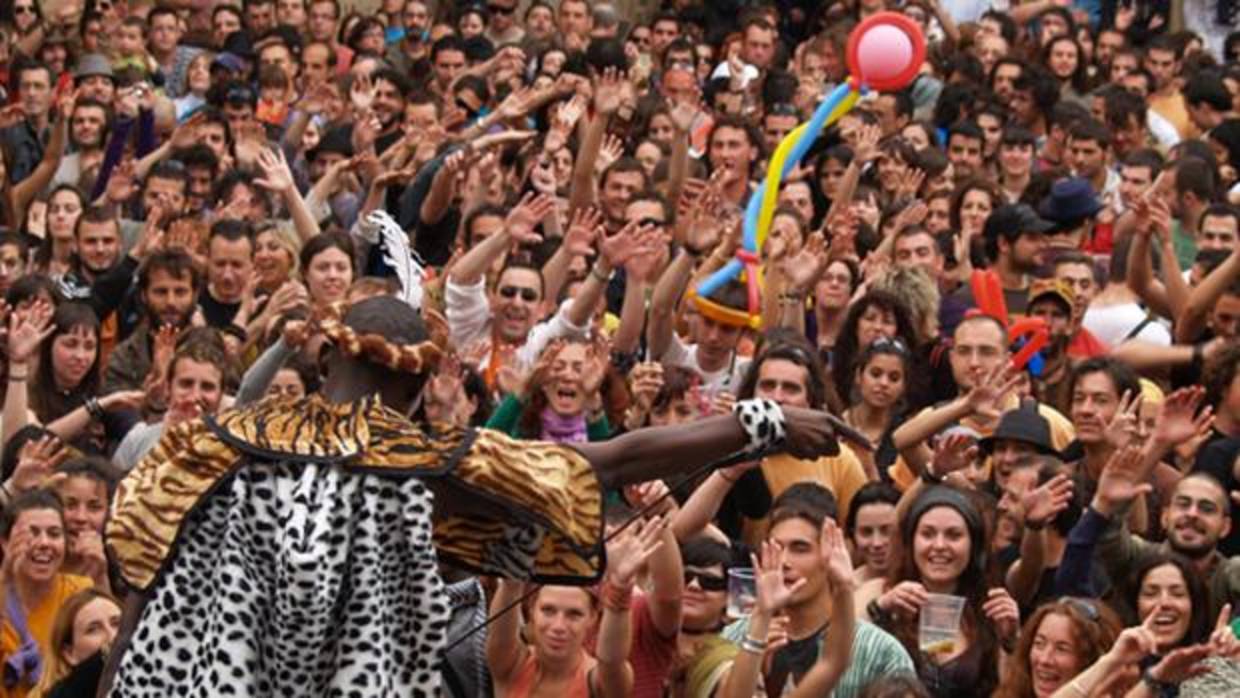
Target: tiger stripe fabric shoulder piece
x=540 y=504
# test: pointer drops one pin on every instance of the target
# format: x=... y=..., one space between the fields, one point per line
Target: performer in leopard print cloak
x=292 y=547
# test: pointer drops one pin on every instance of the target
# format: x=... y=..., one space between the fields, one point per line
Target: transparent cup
x=939 y=624
x=742 y=592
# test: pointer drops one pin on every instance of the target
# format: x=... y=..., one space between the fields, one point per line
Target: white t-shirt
x=726 y=379
x=1113 y=323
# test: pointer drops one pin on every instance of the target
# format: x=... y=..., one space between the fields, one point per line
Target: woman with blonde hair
x=84 y=625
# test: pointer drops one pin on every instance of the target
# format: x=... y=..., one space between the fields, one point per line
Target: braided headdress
x=408 y=358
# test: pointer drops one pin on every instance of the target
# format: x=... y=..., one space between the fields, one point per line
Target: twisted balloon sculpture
x=885 y=52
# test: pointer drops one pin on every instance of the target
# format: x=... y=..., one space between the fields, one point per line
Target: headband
x=407 y=358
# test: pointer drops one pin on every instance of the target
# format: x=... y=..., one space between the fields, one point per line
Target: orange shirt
x=39 y=622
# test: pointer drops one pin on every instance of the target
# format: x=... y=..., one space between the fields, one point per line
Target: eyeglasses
x=708 y=582
x=23 y=9
x=528 y=295
x=1085 y=606
x=501 y=10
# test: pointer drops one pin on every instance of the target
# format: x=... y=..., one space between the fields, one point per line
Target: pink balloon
x=883 y=52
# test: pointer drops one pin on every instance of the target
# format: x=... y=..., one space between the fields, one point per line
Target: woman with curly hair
x=1059 y=641
x=876 y=314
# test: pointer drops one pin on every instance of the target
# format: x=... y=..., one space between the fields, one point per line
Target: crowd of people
x=187 y=188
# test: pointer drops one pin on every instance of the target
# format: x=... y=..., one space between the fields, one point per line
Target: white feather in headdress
x=379 y=227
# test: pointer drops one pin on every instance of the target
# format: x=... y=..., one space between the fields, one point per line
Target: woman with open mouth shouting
x=560 y=399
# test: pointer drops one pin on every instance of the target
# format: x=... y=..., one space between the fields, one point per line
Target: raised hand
x=122 y=183
x=295 y=333
x=28 y=328
x=835 y=557
x=649 y=260
x=12 y=115
x=629 y=550
x=653 y=493
x=1223 y=642
x=1124 y=427
x=684 y=111
x=1181 y=664
x=362 y=92
x=803 y=269
x=953 y=453
x=597 y=361
x=1002 y=610
x=608 y=90
x=633 y=238
x=86 y=548
x=36 y=460
x=1043 y=503
x=1135 y=643
x=773 y=593
x=990 y=391
x=585 y=227
x=1121 y=481
x=865 y=150
x=609 y=152
x=1178 y=419
x=645 y=382
x=526 y=216
x=277 y=176
x=910 y=182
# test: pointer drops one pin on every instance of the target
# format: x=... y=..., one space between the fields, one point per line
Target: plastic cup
x=939 y=624
x=742 y=592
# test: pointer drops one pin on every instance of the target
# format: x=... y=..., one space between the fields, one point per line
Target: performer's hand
x=809 y=434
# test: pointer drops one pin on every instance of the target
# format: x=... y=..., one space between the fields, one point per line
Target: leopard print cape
x=292 y=547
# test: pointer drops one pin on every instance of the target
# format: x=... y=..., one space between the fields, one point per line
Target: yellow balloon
x=774 y=170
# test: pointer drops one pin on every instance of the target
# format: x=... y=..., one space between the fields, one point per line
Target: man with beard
x=1052 y=301
x=1195 y=517
x=1076 y=270
x=391 y=89
x=195 y=388
x=25 y=139
x=321 y=21
x=1015 y=241
x=411 y=55
x=168 y=286
x=88 y=126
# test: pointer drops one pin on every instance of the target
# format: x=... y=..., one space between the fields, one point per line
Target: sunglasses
x=501 y=10
x=708 y=582
x=649 y=222
x=528 y=295
x=23 y=9
x=892 y=343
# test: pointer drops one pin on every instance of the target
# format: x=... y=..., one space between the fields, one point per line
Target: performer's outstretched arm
x=662 y=452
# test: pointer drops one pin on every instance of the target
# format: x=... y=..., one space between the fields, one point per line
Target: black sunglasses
x=649 y=222
x=23 y=9
x=528 y=295
x=708 y=582
x=501 y=10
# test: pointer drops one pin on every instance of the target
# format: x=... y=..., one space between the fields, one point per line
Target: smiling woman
x=559 y=399
x=1059 y=641
x=33 y=531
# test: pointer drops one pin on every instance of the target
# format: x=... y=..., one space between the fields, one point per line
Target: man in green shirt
x=796 y=521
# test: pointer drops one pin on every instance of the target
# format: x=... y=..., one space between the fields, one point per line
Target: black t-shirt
x=217 y=314
x=794 y=660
